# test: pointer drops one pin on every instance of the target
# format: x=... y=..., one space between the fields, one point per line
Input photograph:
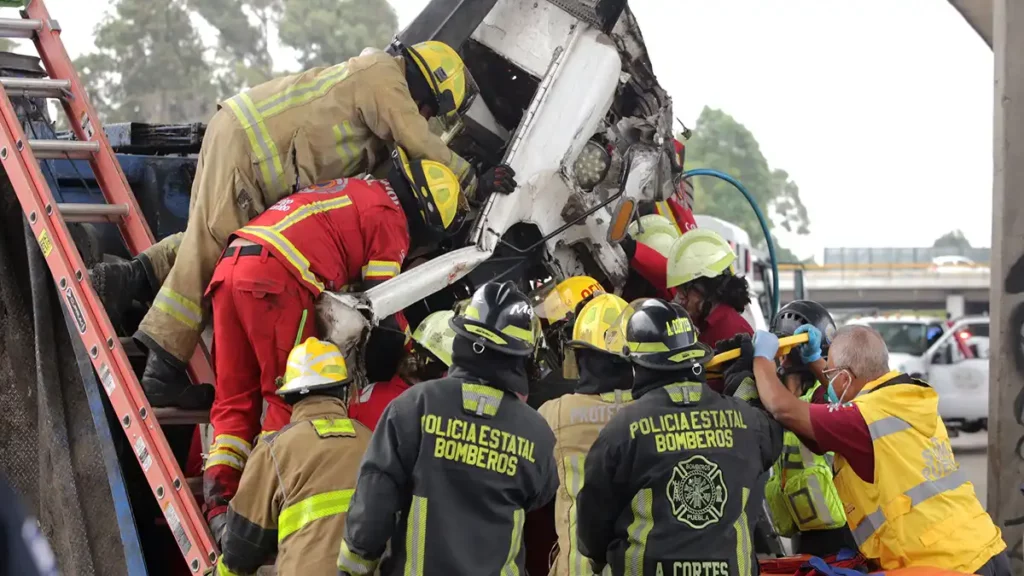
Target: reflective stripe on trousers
x=298 y=515
x=511 y=568
x=416 y=536
x=178 y=307
x=641 y=526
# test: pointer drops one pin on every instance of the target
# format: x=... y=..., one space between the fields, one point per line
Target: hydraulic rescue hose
x=760 y=218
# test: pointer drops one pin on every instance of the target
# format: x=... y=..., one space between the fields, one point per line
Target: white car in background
x=953 y=265
x=952 y=356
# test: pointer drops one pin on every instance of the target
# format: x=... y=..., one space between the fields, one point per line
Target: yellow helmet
x=698 y=253
x=564 y=298
x=436 y=190
x=436 y=336
x=651 y=224
x=446 y=75
x=595 y=319
x=313 y=365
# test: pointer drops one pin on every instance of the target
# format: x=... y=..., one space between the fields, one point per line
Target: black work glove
x=628 y=246
x=500 y=179
x=739 y=376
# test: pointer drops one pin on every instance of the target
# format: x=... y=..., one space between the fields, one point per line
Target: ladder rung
x=55 y=149
x=172 y=416
x=19 y=27
x=93 y=212
x=37 y=87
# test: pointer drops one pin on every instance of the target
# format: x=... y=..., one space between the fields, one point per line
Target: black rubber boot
x=166 y=384
x=119 y=283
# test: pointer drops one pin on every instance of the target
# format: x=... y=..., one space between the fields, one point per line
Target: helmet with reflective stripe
x=499 y=317
x=596 y=317
x=445 y=72
x=658 y=335
x=435 y=188
x=566 y=296
x=800 y=312
x=435 y=335
x=658 y=232
x=698 y=253
x=313 y=365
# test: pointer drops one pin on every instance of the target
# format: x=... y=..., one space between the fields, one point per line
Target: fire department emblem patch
x=697 y=492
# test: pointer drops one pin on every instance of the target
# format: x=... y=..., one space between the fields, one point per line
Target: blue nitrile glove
x=766 y=345
x=810 y=351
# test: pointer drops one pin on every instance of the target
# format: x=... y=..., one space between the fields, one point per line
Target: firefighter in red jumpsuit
x=326 y=237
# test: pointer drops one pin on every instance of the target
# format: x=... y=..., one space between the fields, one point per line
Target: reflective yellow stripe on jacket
x=274 y=236
x=579 y=565
x=381 y=270
x=298 y=515
x=416 y=537
x=511 y=568
x=744 y=545
x=253 y=116
x=638 y=531
x=230 y=451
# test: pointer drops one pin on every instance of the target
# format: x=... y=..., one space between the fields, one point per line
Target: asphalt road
x=971 y=453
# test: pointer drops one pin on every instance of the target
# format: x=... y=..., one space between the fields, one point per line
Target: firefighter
x=429 y=360
x=459 y=461
x=669 y=479
x=907 y=501
x=266 y=143
x=603 y=388
x=325 y=237
x=801 y=496
x=557 y=311
x=296 y=490
x=647 y=247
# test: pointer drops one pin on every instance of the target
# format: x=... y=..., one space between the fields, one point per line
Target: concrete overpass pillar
x=956 y=305
x=1006 y=431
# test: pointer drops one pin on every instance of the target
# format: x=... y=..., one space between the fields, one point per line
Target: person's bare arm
x=782 y=404
x=818 y=369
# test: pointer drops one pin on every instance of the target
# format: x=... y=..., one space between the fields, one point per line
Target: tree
x=954 y=240
x=326 y=32
x=720 y=142
x=148 y=65
x=242 y=57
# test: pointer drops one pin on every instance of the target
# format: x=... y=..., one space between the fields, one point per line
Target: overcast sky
x=880 y=110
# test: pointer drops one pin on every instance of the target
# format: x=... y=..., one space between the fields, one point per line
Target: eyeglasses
x=835 y=371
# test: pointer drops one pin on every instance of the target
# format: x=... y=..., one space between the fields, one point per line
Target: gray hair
x=862 y=350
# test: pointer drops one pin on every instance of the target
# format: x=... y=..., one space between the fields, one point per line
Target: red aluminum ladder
x=47 y=218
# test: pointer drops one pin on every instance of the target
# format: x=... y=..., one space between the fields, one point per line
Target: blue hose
x=760 y=218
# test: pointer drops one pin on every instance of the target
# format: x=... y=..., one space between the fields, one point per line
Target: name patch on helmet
x=678 y=326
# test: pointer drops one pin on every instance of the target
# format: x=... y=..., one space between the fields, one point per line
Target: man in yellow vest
x=604 y=384
x=264 y=144
x=906 y=500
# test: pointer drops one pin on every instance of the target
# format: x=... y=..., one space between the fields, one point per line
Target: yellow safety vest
x=919 y=509
x=800 y=493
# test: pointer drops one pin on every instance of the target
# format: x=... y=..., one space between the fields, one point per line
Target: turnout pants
x=259 y=312
x=225 y=195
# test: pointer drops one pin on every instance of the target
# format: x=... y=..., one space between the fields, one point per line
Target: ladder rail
x=108 y=357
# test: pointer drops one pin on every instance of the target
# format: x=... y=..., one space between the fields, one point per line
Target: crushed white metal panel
x=526 y=33
x=414 y=285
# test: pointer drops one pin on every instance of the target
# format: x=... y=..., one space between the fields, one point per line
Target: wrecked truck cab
x=567 y=98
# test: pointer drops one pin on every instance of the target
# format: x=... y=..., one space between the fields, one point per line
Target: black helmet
x=658 y=335
x=800 y=312
x=501 y=318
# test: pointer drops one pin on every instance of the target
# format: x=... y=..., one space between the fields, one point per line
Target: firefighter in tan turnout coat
x=264 y=144
x=605 y=380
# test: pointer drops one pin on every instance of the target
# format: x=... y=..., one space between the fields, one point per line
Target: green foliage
x=326 y=32
x=954 y=239
x=148 y=65
x=721 y=143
